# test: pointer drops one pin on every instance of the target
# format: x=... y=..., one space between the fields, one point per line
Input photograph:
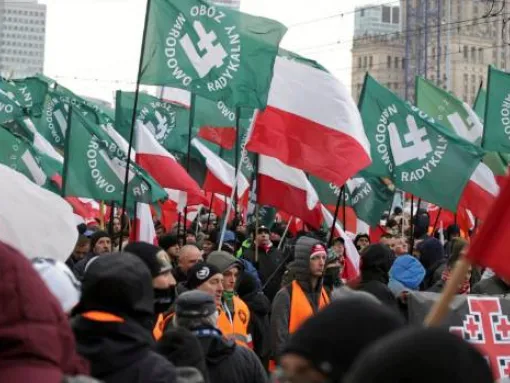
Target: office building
x=376 y=19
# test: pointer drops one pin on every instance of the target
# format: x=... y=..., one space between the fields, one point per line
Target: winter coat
x=259 y=326
x=491 y=286
x=36 y=341
x=117 y=340
x=266 y=265
x=280 y=316
x=433 y=259
x=79 y=267
x=406 y=274
x=375 y=266
x=228 y=362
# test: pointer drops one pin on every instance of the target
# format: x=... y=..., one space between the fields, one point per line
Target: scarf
x=464 y=288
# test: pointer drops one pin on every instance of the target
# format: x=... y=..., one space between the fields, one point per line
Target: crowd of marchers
x=268 y=306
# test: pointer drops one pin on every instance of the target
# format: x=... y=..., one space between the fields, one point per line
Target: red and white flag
x=143 y=226
x=164 y=168
x=288 y=189
x=312 y=123
x=480 y=192
x=352 y=257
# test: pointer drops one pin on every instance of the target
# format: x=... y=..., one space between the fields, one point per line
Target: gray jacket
x=280 y=314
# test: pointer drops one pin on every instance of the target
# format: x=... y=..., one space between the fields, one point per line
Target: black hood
x=119 y=284
x=110 y=347
x=216 y=348
x=376 y=262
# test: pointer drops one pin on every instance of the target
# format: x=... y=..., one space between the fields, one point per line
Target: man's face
x=241 y=229
x=173 y=251
x=191 y=239
x=116 y=225
x=388 y=241
x=214 y=287
x=230 y=278
x=363 y=242
x=164 y=281
x=317 y=263
x=262 y=237
x=104 y=245
x=189 y=256
x=81 y=250
x=297 y=369
x=160 y=231
x=401 y=246
x=339 y=248
x=207 y=246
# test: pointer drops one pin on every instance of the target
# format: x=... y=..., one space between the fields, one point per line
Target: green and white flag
x=369 y=197
x=32 y=92
x=168 y=122
x=19 y=154
x=456 y=115
x=479 y=105
x=497 y=112
x=10 y=108
x=93 y=168
x=213 y=51
x=413 y=150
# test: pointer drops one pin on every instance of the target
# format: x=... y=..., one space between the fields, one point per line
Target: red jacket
x=37 y=344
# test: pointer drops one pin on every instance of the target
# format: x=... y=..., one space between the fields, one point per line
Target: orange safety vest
x=300 y=307
x=101 y=316
x=236 y=329
x=161 y=324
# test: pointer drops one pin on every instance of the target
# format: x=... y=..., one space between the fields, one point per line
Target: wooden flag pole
x=133 y=118
x=441 y=306
x=236 y=157
x=285 y=232
x=101 y=215
x=112 y=216
x=210 y=210
x=188 y=156
x=337 y=208
x=437 y=220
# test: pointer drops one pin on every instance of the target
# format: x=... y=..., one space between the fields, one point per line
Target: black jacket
x=259 y=326
x=121 y=352
x=229 y=363
x=491 y=286
x=266 y=265
x=79 y=267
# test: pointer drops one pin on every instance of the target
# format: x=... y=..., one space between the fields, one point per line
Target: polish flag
x=288 y=189
x=480 y=192
x=163 y=167
x=311 y=123
x=352 y=258
x=144 y=225
x=220 y=176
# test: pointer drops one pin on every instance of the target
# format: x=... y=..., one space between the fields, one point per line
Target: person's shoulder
x=158 y=368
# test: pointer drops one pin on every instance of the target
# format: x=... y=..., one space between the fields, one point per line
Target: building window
x=365 y=62
x=359 y=62
x=473 y=54
x=466 y=52
x=480 y=55
x=386 y=14
x=370 y=62
x=473 y=80
x=403 y=63
x=396 y=62
x=388 y=61
x=396 y=15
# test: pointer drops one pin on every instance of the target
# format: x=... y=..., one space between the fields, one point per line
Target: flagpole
x=134 y=228
x=486 y=105
x=344 y=210
x=337 y=208
x=101 y=215
x=437 y=220
x=236 y=181
x=178 y=226
x=238 y=168
x=133 y=117
x=112 y=214
x=412 y=222
x=210 y=210
x=66 y=152
x=285 y=232
x=192 y=105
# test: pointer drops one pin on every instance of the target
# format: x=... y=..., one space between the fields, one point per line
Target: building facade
x=228 y=3
x=22 y=37
x=376 y=19
x=468 y=43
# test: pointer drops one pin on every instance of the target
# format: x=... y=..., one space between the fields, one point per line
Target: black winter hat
x=168 y=241
x=332 y=339
x=148 y=254
x=183 y=349
x=421 y=356
x=200 y=273
x=194 y=304
x=94 y=238
x=120 y=284
x=246 y=284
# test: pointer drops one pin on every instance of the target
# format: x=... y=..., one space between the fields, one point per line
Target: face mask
x=163 y=299
x=331 y=276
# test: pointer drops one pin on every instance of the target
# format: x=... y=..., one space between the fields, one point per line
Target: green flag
x=212 y=51
x=93 y=170
x=33 y=94
x=19 y=154
x=456 y=115
x=168 y=122
x=497 y=112
x=369 y=197
x=10 y=107
x=479 y=105
x=409 y=147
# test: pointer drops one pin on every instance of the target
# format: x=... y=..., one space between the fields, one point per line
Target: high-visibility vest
x=300 y=307
x=161 y=324
x=236 y=327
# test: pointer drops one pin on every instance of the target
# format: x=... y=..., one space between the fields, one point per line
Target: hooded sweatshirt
x=37 y=344
x=406 y=274
x=114 y=322
x=281 y=305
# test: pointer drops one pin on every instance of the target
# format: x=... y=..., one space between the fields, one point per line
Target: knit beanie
x=332 y=339
x=421 y=356
x=223 y=261
x=149 y=255
x=94 y=238
x=200 y=273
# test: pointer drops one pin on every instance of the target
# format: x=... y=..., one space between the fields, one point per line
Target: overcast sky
x=93 y=46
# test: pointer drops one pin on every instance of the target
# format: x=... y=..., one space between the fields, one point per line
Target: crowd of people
x=266 y=306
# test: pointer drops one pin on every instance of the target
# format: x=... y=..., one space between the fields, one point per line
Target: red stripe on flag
x=225 y=137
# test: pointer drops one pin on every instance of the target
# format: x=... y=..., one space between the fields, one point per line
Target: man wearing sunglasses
x=303 y=297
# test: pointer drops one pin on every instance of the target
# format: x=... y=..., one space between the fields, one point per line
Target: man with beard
x=100 y=243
